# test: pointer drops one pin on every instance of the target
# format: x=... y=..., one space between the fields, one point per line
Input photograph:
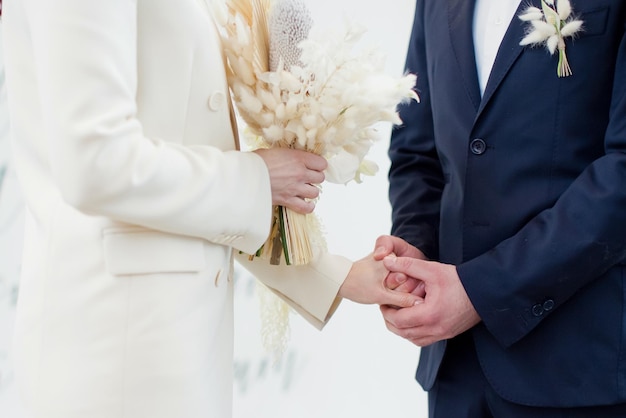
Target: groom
x=513 y=181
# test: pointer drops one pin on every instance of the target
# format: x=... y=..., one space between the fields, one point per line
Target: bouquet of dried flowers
x=298 y=88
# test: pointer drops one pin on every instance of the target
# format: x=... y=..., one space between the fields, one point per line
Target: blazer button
x=548 y=305
x=217 y=101
x=537 y=310
x=478 y=146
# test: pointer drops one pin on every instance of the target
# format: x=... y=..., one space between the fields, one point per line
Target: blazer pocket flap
x=594 y=21
x=144 y=252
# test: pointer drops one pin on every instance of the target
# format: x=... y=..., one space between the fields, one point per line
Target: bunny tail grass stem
x=563 y=69
x=283 y=232
x=298 y=237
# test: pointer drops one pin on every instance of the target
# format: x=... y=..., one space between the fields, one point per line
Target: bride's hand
x=293 y=174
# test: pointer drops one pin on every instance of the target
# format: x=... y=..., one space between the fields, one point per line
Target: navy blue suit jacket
x=524 y=190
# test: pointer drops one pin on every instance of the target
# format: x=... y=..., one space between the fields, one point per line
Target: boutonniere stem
x=549 y=26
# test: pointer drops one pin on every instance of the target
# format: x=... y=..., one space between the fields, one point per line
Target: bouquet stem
x=290 y=236
x=296 y=244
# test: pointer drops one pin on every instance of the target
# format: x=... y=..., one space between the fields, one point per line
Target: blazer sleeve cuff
x=502 y=316
x=311 y=290
x=245 y=226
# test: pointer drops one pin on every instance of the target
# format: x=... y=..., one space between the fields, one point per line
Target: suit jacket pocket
x=594 y=21
x=130 y=251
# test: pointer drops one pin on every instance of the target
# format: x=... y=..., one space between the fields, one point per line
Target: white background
x=354 y=367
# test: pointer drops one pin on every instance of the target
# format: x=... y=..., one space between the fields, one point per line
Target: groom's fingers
x=417 y=334
x=399 y=299
x=410 y=327
x=420 y=288
x=418 y=315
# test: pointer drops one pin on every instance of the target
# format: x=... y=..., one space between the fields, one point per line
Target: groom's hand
x=446 y=310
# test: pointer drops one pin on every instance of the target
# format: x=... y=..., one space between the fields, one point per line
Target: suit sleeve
x=563 y=248
x=101 y=161
x=311 y=290
x=415 y=175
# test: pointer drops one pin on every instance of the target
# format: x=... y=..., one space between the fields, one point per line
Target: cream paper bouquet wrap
x=297 y=87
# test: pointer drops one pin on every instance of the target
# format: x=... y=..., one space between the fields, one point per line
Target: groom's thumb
x=395 y=264
x=412 y=267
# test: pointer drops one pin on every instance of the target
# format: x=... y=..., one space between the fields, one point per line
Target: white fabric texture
x=491 y=20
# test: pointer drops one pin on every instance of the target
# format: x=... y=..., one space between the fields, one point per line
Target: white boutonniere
x=550 y=25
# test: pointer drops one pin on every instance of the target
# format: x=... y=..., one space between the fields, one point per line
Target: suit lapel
x=460 y=19
x=508 y=53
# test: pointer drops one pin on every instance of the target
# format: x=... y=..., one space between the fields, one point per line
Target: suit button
x=548 y=305
x=478 y=146
x=217 y=101
x=537 y=309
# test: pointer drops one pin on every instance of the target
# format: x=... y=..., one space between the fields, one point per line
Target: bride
x=137 y=198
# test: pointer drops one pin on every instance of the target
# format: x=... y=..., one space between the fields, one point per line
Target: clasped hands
x=422 y=301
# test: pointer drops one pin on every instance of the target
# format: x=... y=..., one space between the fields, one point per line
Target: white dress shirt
x=491 y=20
